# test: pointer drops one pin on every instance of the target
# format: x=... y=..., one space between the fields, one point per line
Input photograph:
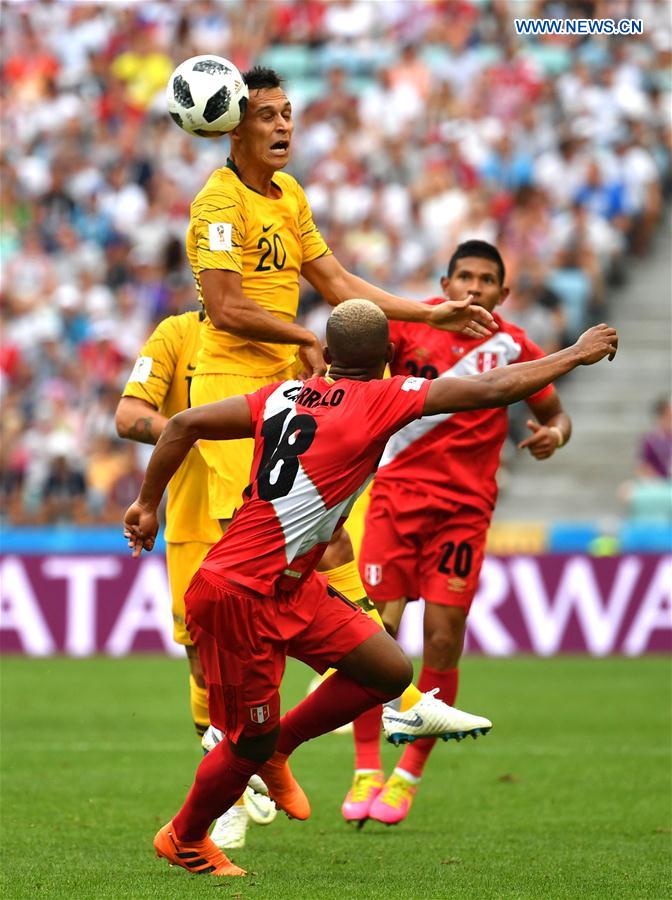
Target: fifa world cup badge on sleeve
x=142 y=369
x=220 y=236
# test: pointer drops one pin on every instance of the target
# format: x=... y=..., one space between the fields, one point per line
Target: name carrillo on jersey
x=303 y=515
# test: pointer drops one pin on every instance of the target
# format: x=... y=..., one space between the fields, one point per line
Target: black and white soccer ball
x=207 y=96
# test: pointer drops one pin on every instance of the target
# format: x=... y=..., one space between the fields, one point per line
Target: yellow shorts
x=229 y=462
x=354 y=524
x=182 y=560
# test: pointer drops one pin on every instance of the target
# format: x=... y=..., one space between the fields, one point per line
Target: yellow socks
x=199 y=706
x=409 y=698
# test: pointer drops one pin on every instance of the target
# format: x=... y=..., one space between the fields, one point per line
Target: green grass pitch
x=569 y=796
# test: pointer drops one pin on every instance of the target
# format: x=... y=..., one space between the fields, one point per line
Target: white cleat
x=260 y=808
x=431 y=718
x=258 y=785
x=230 y=828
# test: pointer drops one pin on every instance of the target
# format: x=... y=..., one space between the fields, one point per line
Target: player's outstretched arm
x=336 y=284
x=506 y=385
x=225 y=420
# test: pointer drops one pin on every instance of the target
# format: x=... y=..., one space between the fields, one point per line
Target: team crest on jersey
x=220 y=235
x=373 y=573
x=260 y=714
x=487 y=360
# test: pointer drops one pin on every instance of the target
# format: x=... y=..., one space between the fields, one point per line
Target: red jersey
x=317 y=445
x=454 y=456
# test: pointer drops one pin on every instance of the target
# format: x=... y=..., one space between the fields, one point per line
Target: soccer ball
x=207 y=96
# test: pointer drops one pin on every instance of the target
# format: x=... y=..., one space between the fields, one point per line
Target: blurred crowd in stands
x=418 y=125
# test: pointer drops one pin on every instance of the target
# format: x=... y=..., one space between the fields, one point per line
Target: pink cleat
x=393 y=803
x=365 y=788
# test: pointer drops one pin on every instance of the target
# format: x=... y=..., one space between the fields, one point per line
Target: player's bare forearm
x=137 y=420
x=229 y=309
x=228 y=419
x=500 y=387
x=245 y=318
x=336 y=285
x=551 y=430
x=507 y=385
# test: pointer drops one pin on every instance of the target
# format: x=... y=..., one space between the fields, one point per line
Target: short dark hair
x=481 y=250
x=260 y=77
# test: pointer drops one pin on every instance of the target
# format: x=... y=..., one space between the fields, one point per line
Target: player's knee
x=443 y=648
x=257 y=747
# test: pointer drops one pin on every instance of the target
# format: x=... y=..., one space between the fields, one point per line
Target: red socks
x=415 y=755
x=335 y=702
x=367 y=739
x=220 y=780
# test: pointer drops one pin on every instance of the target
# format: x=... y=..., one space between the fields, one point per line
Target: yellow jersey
x=266 y=240
x=162 y=377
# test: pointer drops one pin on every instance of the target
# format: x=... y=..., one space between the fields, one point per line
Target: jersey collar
x=234 y=168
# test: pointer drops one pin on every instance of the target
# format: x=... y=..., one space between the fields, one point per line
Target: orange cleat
x=283 y=788
x=200 y=857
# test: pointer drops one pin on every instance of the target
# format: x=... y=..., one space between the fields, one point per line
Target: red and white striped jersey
x=317 y=445
x=452 y=457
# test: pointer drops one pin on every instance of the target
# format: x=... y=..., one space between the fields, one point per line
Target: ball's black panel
x=211 y=66
x=182 y=92
x=176 y=118
x=242 y=106
x=217 y=105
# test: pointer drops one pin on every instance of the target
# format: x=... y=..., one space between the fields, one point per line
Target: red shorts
x=244 y=639
x=411 y=550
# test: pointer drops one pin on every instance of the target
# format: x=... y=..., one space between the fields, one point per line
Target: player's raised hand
x=543 y=442
x=596 y=343
x=141 y=525
x=463 y=316
x=312 y=357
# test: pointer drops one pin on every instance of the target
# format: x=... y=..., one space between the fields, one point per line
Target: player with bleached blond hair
x=257 y=598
